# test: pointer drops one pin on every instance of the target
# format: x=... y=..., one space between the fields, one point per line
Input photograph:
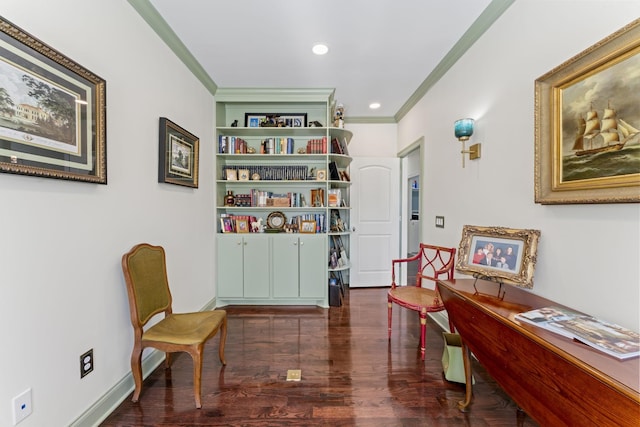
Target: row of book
x=236 y=145
x=609 y=338
x=317 y=146
x=261 y=198
x=266 y=173
x=232 y=145
x=337 y=254
x=339 y=146
x=231 y=223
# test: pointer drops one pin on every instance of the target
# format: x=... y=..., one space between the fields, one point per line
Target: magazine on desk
x=609 y=338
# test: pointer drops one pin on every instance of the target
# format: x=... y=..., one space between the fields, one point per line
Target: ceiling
x=386 y=51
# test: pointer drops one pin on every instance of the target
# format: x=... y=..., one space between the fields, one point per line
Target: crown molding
x=149 y=13
x=486 y=19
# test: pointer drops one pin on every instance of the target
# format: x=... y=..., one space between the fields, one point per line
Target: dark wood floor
x=351 y=375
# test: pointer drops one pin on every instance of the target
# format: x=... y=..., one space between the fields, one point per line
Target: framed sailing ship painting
x=587 y=125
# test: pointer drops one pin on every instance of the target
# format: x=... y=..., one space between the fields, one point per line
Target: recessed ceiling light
x=374 y=105
x=320 y=49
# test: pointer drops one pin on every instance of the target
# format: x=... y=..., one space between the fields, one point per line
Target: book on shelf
x=609 y=338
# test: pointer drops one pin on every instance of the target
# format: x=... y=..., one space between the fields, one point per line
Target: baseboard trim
x=441 y=318
x=104 y=406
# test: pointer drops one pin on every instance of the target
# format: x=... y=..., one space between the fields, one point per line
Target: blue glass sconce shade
x=463 y=129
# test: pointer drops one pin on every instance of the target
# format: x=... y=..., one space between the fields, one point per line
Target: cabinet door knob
x=295 y=243
x=353 y=229
x=301 y=243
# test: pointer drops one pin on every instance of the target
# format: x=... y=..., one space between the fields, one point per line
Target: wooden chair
x=431 y=263
x=145 y=273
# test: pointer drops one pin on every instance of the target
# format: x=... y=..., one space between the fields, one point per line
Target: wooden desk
x=555 y=380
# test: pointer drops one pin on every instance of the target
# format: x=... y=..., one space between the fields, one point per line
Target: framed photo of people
x=502 y=254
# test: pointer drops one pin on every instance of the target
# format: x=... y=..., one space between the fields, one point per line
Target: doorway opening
x=411 y=202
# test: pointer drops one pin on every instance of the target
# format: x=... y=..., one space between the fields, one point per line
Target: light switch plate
x=440 y=221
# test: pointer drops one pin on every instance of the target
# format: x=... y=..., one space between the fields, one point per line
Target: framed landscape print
x=587 y=125
x=178 y=156
x=497 y=253
x=52 y=112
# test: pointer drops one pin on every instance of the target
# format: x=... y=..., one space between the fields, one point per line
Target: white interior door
x=375 y=219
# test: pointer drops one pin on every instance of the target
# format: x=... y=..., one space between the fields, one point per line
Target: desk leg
x=466 y=358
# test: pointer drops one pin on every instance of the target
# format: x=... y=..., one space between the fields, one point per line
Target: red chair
x=430 y=263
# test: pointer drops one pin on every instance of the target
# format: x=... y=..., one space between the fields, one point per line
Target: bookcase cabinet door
x=243 y=266
x=313 y=268
x=298 y=267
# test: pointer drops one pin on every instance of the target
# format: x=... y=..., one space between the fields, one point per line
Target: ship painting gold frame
x=514 y=252
x=575 y=161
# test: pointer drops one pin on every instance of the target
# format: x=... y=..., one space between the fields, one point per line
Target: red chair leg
x=389 y=305
x=423 y=332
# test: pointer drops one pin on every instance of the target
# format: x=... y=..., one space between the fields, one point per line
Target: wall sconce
x=463 y=129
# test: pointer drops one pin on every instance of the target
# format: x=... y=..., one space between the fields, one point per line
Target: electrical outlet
x=86 y=363
x=21 y=405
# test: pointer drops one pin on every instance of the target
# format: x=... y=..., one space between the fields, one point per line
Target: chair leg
x=423 y=331
x=389 y=316
x=223 y=339
x=196 y=355
x=136 y=370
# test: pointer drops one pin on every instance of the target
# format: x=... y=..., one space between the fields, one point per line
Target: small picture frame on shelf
x=243 y=174
x=226 y=225
x=275 y=120
x=308 y=227
x=321 y=175
x=231 y=175
x=242 y=226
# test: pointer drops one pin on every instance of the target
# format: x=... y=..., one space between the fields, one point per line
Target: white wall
x=588 y=254
x=372 y=140
x=62 y=290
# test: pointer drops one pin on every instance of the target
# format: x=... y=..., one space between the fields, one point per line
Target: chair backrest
x=434 y=263
x=145 y=273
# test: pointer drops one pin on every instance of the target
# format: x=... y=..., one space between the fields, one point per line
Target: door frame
x=405 y=202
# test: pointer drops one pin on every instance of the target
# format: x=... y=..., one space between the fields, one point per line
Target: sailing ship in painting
x=597 y=135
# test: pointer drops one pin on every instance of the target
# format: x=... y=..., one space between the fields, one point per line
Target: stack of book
x=609 y=338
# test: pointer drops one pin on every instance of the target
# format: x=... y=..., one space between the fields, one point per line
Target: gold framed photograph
x=505 y=255
x=308 y=227
x=231 y=175
x=587 y=125
x=242 y=226
x=243 y=174
x=321 y=175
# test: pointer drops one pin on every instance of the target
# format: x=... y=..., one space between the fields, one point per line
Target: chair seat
x=415 y=298
x=186 y=328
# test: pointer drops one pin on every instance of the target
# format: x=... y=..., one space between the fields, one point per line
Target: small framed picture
x=321 y=175
x=226 y=225
x=505 y=254
x=243 y=174
x=308 y=227
x=178 y=160
x=231 y=175
x=242 y=226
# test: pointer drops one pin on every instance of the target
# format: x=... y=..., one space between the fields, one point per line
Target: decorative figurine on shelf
x=251 y=150
x=257 y=227
x=229 y=199
x=302 y=150
x=234 y=124
x=338 y=117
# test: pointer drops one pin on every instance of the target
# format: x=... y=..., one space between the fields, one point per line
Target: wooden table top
x=623 y=375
